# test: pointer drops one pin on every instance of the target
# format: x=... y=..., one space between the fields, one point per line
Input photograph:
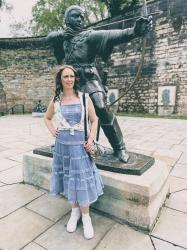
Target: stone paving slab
x=3 y=148
x=6 y=187
x=183 y=159
x=50 y=207
x=162 y=245
x=122 y=237
x=34 y=140
x=33 y=246
x=6 y=164
x=22 y=145
x=139 y=151
x=17 y=158
x=16 y=197
x=12 y=152
x=178 y=201
x=9 y=139
x=180 y=171
x=177 y=184
x=58 y=236
x=20 y=228
x=172 y=227
x=181 y=147
x=149 y=146
x=12 y=175
x=169 y=156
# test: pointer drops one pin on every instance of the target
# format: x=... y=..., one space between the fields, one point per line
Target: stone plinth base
x=135 y=200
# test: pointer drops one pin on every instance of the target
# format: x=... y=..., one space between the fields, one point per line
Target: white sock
x=75 y=210
x=85 y=215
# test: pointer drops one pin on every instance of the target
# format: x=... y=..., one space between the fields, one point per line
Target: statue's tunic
x=81 y=50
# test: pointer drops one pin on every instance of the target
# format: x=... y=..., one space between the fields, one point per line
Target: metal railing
x=12 y=110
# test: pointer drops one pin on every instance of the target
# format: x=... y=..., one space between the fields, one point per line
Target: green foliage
x=48 y=14
x=6 y=5
x=117 y=7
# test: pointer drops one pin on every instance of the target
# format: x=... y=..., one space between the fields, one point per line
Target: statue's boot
x=110 y=126
x=122 y=155
x=115 y=137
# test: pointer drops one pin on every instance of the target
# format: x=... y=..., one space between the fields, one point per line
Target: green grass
x=146 y=115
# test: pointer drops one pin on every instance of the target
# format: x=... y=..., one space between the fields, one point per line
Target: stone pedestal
x=135 y=200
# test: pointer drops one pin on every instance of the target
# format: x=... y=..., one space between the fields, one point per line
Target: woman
x=73 y=172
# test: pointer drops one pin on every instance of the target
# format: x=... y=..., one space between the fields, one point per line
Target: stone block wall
x=165 y=62
x=27 y=75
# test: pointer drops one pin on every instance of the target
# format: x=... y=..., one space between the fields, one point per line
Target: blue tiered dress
x=74 y=174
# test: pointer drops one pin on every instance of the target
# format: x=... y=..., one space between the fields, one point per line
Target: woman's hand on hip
x=55 y=132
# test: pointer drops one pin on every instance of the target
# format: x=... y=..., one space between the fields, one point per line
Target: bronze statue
x=78 y=47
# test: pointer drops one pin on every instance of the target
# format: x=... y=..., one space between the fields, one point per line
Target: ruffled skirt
x=74 y=174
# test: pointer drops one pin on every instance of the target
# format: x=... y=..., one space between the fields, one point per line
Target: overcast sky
x=21 y=12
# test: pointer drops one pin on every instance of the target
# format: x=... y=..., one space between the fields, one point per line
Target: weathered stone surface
x=36 y=170
x=135 y=199
x=131 y=211
x=2 y=148
x=21 y=227
x=162 y=245
x=18 y=158
x=16 y=197
x=122 y=237
x=177 y=184
x=33 y=246
x=178 y=201
x=11 y=152
x=58 y=236
x=180 y=171
x=172 y=227
x=50 y=207
x=6 y=187
x=12 y=175
x=182 y=147
x=183 y=159
x=6 y=164
x=168 y=156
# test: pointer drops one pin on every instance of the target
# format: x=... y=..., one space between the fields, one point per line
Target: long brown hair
x=58 y=81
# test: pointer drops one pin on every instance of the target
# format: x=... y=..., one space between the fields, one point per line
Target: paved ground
x=31 y=220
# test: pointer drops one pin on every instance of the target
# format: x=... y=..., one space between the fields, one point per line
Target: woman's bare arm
x=48 y=119
x=93 y=125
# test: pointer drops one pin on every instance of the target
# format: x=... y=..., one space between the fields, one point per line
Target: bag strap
x=85 y=115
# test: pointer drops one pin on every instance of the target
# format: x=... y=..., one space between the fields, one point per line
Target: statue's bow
x=144 y=14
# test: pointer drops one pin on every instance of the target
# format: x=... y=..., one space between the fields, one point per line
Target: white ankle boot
x=87 y=226
x=72 y=223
